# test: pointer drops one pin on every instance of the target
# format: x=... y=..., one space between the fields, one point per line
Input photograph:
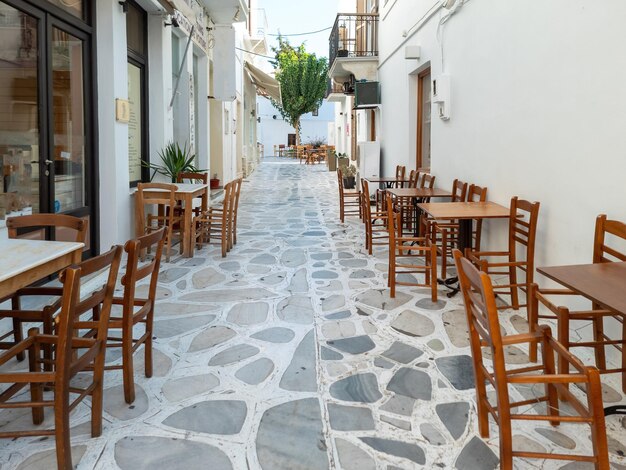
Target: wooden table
x=388 y=181
x=23 y=262
x=416 y=195
x=186 y=192
x=602 y=283
x=465 y=212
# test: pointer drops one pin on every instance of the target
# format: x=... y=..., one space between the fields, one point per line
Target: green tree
x=302 y=77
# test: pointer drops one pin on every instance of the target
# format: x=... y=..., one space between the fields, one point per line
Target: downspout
x=182 y=65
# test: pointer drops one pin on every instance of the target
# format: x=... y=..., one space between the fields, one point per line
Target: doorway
x=46 y=134
x=423 y=120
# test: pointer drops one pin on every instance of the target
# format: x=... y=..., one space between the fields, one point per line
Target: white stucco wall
x=274 y=131
x=537 y=108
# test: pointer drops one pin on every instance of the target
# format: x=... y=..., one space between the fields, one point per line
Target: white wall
x=538 y=108
x=274 y=131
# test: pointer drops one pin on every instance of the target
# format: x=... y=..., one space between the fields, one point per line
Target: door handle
x=48 y=162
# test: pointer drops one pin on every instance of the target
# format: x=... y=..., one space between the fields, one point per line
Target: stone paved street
x=289 y=354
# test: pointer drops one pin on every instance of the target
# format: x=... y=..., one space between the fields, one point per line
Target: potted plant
x=214 y=182
x=174 y=160
x=349 y=177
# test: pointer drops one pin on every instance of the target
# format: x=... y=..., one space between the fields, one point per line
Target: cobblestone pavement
x=289 y=354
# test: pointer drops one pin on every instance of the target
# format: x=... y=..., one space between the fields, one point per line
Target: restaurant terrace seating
x=163 y=204
x=484 y=332
x=375 y=223
x=607 y=232
x=409 y=257
x=522 y=231
x=135 y=308
x=218 y=222
x=189 y=177
x=72 y=354
x=29 y=226
x=349 y=200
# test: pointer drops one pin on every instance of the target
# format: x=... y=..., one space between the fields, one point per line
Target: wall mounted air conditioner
x=366 y=94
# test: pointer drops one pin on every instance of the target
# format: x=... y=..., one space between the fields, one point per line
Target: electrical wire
x=301 y=34
x=255 y=53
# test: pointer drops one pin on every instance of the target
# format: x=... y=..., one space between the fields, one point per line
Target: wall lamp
x=174 y=22
x=236 y=17
x=124 y=5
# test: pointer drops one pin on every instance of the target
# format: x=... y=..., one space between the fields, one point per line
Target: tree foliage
x=302 y=77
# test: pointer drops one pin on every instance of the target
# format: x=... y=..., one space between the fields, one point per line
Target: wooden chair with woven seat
x=216 y=223
x=72 y=354
x=162 y=197
x=522 y=231
x=349 y=201
x=28 y=226
x=135 y=309
x=606 y=231
x=409 y=256
x=484 y=331
x=375 y=222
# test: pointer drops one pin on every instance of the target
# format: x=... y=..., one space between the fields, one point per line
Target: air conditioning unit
x=366 y=94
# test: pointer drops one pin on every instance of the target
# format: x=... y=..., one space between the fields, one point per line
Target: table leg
x=187 y=237
x=465 y=241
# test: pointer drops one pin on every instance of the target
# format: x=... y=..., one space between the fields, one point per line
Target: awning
x=266 y=85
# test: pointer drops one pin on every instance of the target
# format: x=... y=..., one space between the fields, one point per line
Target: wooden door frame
x=420 y=117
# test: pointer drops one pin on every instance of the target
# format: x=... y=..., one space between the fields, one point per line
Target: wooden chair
x=484 y=331
x=216 y=223
x=27 y=226
x=522 y=231
x=606 y=230
x=375 y=222
x=194 y=178
x=349 y=201
x=281 y=150
x=235 y=211
x=72 y=354
x=162 y=197
x=136 y=310
x=409 y=256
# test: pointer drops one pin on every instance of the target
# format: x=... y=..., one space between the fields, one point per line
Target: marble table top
x=18 y=256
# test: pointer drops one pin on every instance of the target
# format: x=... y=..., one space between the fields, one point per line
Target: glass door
x=44 y=137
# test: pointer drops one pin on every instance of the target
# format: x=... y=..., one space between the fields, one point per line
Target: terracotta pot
x=214 y=183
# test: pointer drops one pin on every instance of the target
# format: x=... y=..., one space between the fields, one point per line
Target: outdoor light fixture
x=124 y=5
x=174 y=22
x=236 y=17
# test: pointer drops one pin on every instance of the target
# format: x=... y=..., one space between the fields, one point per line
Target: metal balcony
x=354 y=35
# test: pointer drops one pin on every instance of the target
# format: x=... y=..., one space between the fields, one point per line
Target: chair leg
x=598 y=335
x=62 y=426
x=547 y=354
x=97 y=394
x=433 y=272
x=127 y=365
x=36 y=389
x=598 y=425
x=514 y=288
x=17 y=326
x=533 y=320
x=506 y=443
x=148 y=346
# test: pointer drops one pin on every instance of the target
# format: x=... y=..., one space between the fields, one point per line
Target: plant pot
x=214 y=183
x=349 y=182
x=342 y=53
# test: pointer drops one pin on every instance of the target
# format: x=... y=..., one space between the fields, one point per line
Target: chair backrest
x=40 y=221
x=459 y=190
x=73 y=306
x=428 y=181
x=340 y=181
x=414 y=176
x=102 y=297
x=365 y=200
x=602 y=253
x=134 y=272
x=237 y=192
x=228 y=200
x=483 y=324
x=523 y=229
x=150 y=194
x=200 y=178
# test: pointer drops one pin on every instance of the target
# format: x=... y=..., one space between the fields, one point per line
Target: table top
x=20 y=255
x=600 y=282
x=419 y=192
x=386 y=179
x=184 y=188
x=465 y=210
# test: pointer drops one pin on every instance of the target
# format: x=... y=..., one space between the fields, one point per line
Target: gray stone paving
x=289 y=354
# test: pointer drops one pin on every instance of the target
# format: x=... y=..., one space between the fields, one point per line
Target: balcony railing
x=332 y=87
x=354 y=35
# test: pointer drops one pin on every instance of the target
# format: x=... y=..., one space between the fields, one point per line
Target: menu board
x=134 y=123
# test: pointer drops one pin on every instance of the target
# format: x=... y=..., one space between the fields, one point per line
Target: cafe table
x=465 y=213
x=186 y=192
x=602 y=283
x=23 y=262
x=417 y=194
